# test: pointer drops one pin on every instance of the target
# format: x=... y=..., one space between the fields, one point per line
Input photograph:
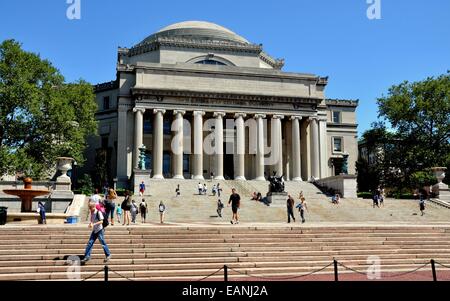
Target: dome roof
x=198 y=30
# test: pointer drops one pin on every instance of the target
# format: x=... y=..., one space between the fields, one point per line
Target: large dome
x=198 y=30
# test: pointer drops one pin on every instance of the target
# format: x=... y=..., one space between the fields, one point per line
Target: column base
x=199 y=178
x=297 y=179
x=240 y=178
x=178 y=177
x=259 y=179
x=158 y=177
x=219 y=178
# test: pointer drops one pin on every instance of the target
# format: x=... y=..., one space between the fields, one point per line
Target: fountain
x=27 y=194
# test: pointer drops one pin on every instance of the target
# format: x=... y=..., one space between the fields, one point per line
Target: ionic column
x=314 y=132
x=296 y=141
x=198 y=145
x=158 y=144
x=277 y=143
x=239 y=169
x=177 y=146
x=218 y=143
x=260 y=147
x=138 y=133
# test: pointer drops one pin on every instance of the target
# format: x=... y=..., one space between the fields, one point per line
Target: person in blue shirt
x=141 y=188
x=41 y=211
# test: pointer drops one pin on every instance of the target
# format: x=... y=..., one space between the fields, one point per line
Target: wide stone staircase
x=193 y=208
x=195 y=252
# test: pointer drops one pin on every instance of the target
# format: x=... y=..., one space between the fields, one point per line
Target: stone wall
x=345 y=185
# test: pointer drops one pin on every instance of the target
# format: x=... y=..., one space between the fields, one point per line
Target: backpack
x=162 y=208
x=105 y=220
x=142 y=208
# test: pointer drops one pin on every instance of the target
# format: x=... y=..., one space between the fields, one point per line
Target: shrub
x=365 y=195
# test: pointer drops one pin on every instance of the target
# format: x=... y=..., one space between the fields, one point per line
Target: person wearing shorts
x=235 y=201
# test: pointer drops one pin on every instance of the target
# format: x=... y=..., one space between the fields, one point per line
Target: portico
x=223 y=108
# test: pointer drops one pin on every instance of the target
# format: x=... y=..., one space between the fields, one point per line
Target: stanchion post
x=106 y=273
x=433 y=270
x=335 y=263
x=225 y=273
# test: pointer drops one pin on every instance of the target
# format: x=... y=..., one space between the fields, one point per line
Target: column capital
x=277 y=116
x=237 y=115
x=294 y=117
x=310 y=118
x=201 y=113
x=256 y=116
x=176 y=112
x=219 y=114
x=156 y=111
x=139 y=109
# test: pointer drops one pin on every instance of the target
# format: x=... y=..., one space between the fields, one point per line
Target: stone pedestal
x=441 y=189
x=277 y=199
x=140 y=176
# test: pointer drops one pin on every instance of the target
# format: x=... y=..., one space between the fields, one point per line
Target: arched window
x=210 y=62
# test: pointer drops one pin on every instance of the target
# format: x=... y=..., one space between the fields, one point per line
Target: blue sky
x=362 y=57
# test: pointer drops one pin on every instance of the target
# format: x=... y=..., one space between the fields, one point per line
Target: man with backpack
x=143 y=210
x=98 y=224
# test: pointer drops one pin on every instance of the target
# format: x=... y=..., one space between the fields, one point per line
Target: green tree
x=419 y=112
x=41 y=116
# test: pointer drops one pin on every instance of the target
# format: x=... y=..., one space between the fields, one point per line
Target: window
x=337 y=117
x=148 y=160
x=148 y=127
x=167 y=127
x=166 y=163
x=185 y=163
x=211 y=62
x=106 y=103
x=337 y=144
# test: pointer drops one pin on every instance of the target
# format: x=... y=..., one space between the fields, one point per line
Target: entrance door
x=228 y=166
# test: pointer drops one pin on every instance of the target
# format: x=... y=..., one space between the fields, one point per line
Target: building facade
x=193 y=86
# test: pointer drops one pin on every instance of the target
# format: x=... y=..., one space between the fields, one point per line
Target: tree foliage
x=419 y=113
x=41 y=116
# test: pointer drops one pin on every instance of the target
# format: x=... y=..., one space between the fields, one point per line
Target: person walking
x=134 y=211
x=142 y=188
x=110 y=205
x=98 y=232
x=200 y=188
x=178 y=191
x=143 y=210
x=422 y=203
x=235 y=201
x=214 y=190
x=376 y=199
x=290 y=208
x=126 y=207
x=301 y=208
x=219 y=190
x=162 y=210
x=205 y=189
x=119 y=213
x=220 y=206
x=41 y=211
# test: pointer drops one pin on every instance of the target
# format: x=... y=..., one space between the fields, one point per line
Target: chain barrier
x=442 y=265
x=352 y=269
x=87 y=278
x=406 y=273
x=201 y=279
x=120 y=275
x=386 y=276
x=283 y=278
